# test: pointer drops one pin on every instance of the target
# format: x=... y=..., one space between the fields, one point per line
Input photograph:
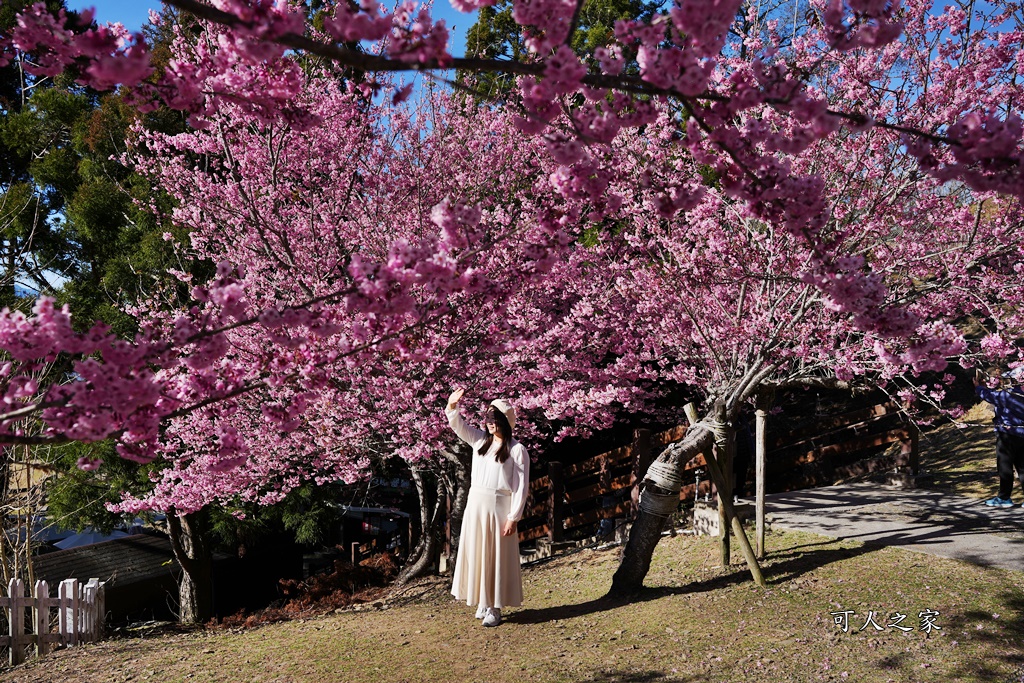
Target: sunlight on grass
x=962 y=458
x=696 y=621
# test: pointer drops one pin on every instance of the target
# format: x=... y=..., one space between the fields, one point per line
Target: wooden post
x=556 y=502
x=91 y=626
x=737 y=525
x=84 y=610
x=912 y=450
x=83 y=636
x=355 y=553
x=101 y=609
x=16 y=621
x=764 y=401
x=41 y=618
x=726 y=449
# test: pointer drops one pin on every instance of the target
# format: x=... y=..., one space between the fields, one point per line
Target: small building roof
x=345 y=509
x=119 y=562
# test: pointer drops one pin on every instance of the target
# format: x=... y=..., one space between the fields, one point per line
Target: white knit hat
x=507 y=410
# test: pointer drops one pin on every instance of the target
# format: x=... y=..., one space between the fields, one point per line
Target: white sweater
x=512 y=476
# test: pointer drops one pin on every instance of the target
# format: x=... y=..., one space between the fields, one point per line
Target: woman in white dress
x=487 y=571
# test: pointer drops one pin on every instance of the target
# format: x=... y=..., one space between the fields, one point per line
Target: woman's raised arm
x=468 y=434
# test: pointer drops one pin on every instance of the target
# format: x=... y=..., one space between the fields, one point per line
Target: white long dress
x=487 y=571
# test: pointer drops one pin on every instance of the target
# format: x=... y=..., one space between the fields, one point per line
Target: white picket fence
x=80 y=611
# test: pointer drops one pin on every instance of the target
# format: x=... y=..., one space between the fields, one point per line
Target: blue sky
x=134 y=13
x=131 y=13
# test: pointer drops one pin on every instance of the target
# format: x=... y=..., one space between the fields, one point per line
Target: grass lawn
x=963 y=457
x=697 y=623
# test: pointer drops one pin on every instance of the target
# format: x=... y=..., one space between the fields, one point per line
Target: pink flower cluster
x=417 y=38
x=113 y=389
x=705 y=23
x=872 y=23
x=545 y=22
x=711 y=226
x=986 y=152
x=348 y=25
x=674 y=69
x=110 y=56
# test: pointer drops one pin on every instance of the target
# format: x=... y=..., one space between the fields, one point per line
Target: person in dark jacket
x=1008 y=403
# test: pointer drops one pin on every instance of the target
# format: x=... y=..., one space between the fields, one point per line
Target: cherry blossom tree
x=737 y=314
x=304 y=208
x=712 y=88
x=834 y=157
x=688 y=69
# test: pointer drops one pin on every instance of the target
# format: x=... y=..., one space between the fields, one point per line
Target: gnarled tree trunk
x=445 y=505
x=456 y=478
x=432 y=511
x=190 y=541
x=646 y=530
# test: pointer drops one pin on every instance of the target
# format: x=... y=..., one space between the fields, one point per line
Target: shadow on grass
x=1000 y=636
x=783 y=566
x=961 y=460
x=615 y=676
x=1005 y=635
x=788 y=564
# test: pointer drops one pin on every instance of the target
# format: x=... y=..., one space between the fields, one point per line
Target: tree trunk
x=432 y=530
x=190 y=542
x=419 y=481
x=722 y=481
x=646 y=530
x=456 y=480
x=458 y=509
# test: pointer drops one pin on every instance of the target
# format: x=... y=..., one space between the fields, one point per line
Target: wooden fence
x=77 y=612
x=581 y=494
x=828 y=448
x=606 y=486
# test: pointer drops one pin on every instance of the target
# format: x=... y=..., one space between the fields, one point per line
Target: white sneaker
x=493 y=617
x=481 y=612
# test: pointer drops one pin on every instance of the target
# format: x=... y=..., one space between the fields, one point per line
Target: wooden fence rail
x=606 y=486
x=839 y=446
x=79 y=616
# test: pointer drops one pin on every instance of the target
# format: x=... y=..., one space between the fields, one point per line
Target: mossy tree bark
x=646 y=530
x=192 y=547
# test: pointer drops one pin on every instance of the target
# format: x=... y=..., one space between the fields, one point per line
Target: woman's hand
x=454 y=399
x=508 y=528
